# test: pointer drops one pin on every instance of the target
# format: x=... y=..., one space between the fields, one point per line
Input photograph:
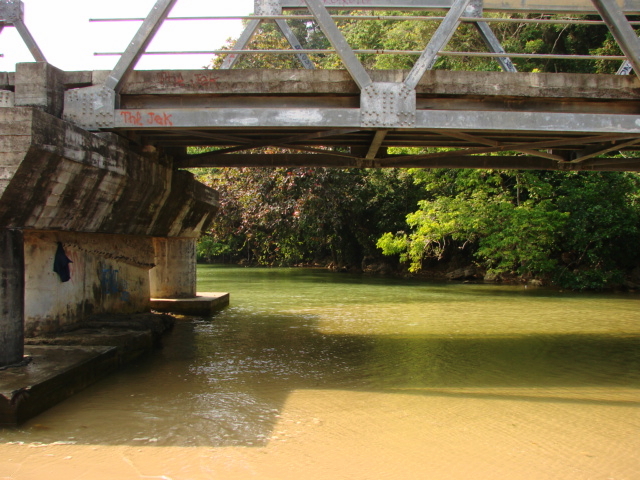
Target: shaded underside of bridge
x=259 y=118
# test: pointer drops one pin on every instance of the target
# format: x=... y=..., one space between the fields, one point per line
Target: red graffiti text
x=139 y=119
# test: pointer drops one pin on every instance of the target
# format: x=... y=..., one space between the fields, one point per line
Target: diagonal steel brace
x=337 y=40
x=488 y=37
x=621 y=30
x=266 y=7
x=138 y=45
x=439 y=40
x=12 y=13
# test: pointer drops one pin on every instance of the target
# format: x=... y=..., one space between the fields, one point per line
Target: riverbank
x=59 y=365
x=456 y=271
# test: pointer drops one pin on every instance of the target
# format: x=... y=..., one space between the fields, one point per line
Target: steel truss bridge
x=354 y=117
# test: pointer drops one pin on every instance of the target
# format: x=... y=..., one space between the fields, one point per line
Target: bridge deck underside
x=298 y=118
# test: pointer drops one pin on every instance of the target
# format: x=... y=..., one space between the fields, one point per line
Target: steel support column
x=138 y=45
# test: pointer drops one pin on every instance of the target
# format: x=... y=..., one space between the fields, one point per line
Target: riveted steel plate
x=390 y=105
x=11 y=11
x=91 y=108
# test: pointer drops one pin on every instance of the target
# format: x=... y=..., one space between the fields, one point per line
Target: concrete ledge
x=205 y=303
x=67 y=362
x=55 y=373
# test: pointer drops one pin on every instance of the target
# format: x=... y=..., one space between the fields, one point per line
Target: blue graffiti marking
x=112 y=285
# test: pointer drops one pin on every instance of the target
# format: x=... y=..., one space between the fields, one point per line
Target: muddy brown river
x=317 y=375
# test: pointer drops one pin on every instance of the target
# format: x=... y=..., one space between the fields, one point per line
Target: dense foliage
x=280 y=216
x=579 y=229
x=575 y=229
x=537 y=38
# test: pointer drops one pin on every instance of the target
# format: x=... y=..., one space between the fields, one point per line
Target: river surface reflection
x=326 y=372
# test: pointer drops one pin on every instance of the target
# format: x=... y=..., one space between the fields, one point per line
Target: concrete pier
x=115 y=212
x=11 y=297
x=174 y=274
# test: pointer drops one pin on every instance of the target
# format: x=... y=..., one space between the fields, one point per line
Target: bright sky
x=68 y=40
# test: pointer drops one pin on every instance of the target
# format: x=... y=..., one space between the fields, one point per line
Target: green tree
x=292 y=215
x=599 y=241
x=579 y=229
x=508 y=230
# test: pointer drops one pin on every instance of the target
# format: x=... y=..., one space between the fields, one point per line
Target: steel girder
x=300 y=118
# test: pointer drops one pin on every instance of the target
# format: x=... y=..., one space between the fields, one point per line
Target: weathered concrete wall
x=40 y=85
x=174 y=274
x=54 y=175
x=109 y=273
x=98 y=196
x=14 y=144
x=11 y=297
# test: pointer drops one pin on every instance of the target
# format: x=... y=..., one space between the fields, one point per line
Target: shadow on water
x=225 y=383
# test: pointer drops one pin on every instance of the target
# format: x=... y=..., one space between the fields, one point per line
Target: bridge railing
x=459 y=11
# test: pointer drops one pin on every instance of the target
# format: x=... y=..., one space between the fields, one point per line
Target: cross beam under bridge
x=316 y=118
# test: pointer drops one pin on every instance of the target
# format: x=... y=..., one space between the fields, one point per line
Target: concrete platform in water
x=54 y=374
x=62 y=364
x=205 y=303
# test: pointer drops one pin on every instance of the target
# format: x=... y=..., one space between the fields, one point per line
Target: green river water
x=313 y=374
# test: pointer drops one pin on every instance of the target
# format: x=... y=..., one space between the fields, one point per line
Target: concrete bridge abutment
x=122 y=222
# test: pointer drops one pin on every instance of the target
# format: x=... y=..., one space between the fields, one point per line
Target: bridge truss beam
x=374 y=112
x=138 y=45
x=621 y=30
x=267 y=7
